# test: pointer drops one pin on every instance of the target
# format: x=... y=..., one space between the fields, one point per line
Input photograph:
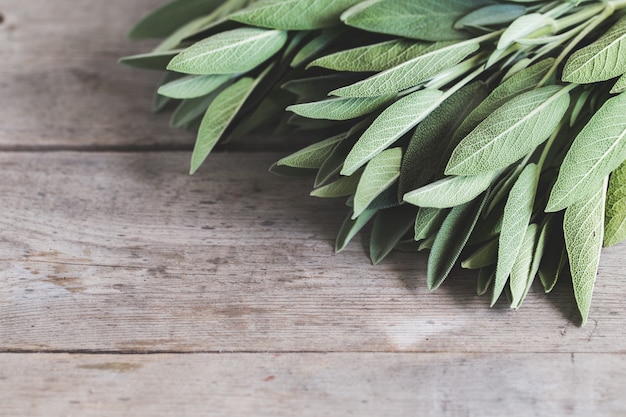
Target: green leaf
x=551 y=268
x=602 y=60
x=379 y=174
x=218 y=116
x=598 y=149
x=615 y=221
x=293 y=14
x=484 y=256
x=192 y=86
x=520 y=273
x=430 y=20
x=151 y=60
x=158 y=101
x=392 y=123
x=313 y=155
x=517 y=214
x=620 y=85
x=316 y=88
x=451 y=239
x=434 y=60
x=169 y=17
x=493 y=15
x=510 y=132
x=372 y=58
x=390 y=226
x=583 y=227
x=523 y=81
x=343 y=187
x=522 y=27
x=190 y=109
x=230 y=52
x=351 y=227
x=432 y=136
x=316 y=45
x=428 y=221
x=485 y=278
x=450 y=191
x=340 y=108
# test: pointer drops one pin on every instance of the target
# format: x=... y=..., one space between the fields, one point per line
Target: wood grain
x=381 y=384
x=127 y=253
x=61 y=85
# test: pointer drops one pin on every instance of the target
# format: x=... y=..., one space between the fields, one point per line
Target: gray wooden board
x=311 y=384
x=61 y=85
x=126 y=252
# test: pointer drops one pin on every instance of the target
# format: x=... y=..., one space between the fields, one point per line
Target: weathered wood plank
x=446 y=385
x=126 y=252
x=61 y=85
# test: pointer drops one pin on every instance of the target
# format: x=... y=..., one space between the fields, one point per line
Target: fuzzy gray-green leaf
x=517 y=213
x=583 y=227
x=230 y=52
x=491 y=15
x=620 y=85
x=451 y=191
x=340 y=108
x=218 y=116
x=521 y=270
x=615 y=222
x=343 y=187
x=430 y=20
x=372 y=58
x=410 y=73
x=602 y=60
x=511 y=132
x=428 y=221
x=379 y=174
x=192 y=86
x=166 y=19
x=390 y=125
x=293 y=14
x=451 y=239
x=351 y=227
x=599 y=148
x=484 y=256
x=313 y=155
x=389 y=228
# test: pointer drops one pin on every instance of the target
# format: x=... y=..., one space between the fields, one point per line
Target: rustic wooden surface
x=129 y=288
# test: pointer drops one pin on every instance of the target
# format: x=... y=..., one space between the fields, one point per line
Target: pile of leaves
x=487 y=132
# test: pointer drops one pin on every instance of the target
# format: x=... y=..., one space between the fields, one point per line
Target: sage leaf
x=190 y=109
x=426 y=149
x=429 y=20
x=166 y=19
x=602 y=60
x=389 y=227
x=312 y=156
x=510 y=132
x=521 y=82
x=485 y=278
x=340 y=108
x=218 y=116
x=390 y=125
x=615 y=217
x=372 y=58
x=379 y=174
x=583 y=227
x=484 y=256
x=342 y=187
x=522 y=27
x=150 y=60
x=620 y=85
x=230 y=52
x=351 y=227
x=192 y=86
x=437 y=58
x=293 y=14
x=598 y=149
x=316 y=88
x=496 y=14
x=520 y=273
x=517 y=212
x=451 y=239
x=451 y=191
x=316 y=45
x=551 y=268
x=428 y=221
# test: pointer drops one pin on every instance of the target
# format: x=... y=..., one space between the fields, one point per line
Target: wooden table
x=129 y=288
